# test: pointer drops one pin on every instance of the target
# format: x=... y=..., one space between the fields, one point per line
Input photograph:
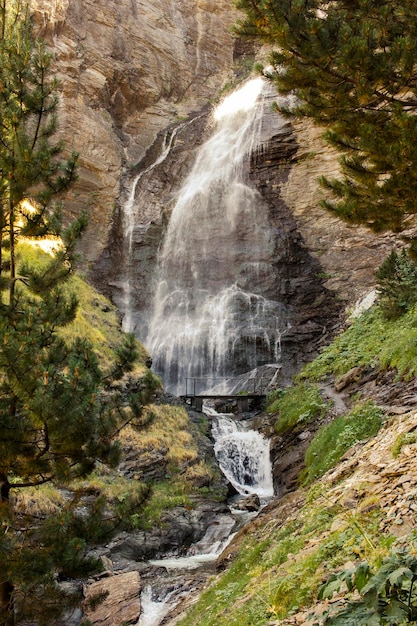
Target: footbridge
x=197 y=390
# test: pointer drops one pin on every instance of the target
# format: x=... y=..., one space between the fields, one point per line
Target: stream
x=216 y=314
x=243 y=457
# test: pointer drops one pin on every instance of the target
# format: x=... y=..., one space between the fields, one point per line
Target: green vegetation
x=397 y=284
x=165 y=495
x=168 y=441
x=63 y=400
x=296 y=406
x=280 y=568
x=371 y=341
x=388 y=593
x=334 y=439
x=359 y=345
x=403 y=440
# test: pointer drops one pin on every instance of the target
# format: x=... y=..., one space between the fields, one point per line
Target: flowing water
x=129 y=223
x=210 y=312
x=243 y=457
x=210 y=315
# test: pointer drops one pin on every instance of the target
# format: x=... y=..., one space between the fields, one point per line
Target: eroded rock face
x=348 y=255
x=129 y=68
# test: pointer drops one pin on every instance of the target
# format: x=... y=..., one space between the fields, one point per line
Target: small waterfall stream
x=243 y=456
x=129 y=222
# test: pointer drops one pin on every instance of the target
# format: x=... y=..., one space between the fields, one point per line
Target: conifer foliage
x=352 y=65
x=57 y=418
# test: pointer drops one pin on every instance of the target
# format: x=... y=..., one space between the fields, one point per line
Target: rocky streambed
x=147 y=573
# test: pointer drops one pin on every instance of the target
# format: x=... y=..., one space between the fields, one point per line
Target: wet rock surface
x=128 y=70
x=179 y=529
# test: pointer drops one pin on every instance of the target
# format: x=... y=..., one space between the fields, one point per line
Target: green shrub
x=399 y=345
x=397 y=284
x=296 y=405
x=403 y=439
x=388 y=595
x=334 y=439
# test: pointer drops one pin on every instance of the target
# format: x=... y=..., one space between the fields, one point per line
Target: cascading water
x=211 y=316
x=129 y=222
x=242 y=455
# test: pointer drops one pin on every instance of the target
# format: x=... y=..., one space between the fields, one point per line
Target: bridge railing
x=203 y=385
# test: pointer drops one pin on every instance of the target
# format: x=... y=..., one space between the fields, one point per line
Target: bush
x=397 y=284
x=359 y=345
x=300 y=404
x=387 y=595
x=334 y=439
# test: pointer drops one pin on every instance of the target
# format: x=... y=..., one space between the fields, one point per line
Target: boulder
x=121 y=603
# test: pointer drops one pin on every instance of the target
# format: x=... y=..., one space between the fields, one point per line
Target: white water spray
x=210 y=314
x=153 y=611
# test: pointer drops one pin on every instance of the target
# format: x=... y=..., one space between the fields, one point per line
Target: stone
x=352 y=375
x=121 y=604
x=250 y=503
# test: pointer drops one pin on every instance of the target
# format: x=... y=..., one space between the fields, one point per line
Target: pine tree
x=58 y=414
x=351 y=64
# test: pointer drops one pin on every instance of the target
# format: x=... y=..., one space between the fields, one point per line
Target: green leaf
x=362 y=575
x=397 y=612
x=399 y=575
x=329 y=588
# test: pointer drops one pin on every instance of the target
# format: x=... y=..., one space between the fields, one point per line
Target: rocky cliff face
x=129 y=68
x=134 y=74
x=348 y=254
x=132 y=68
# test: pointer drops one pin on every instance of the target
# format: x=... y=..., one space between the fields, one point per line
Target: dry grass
x=168 y=432
x=37 y=501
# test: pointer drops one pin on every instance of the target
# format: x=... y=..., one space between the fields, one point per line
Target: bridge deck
x=242 y=401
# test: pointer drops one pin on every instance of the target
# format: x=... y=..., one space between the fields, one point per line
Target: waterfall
x=242 y=455
x=129 y=223
x=212 y=315
x=152 y=611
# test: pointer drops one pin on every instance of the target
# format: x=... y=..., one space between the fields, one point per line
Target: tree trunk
x=6 y=587
x=4 y=489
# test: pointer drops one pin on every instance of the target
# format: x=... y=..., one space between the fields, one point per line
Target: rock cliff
x=128 y=69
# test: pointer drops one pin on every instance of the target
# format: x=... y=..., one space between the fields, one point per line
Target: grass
x=170 y=437
x=165 y=495
x=360 y=344
x=371 y=341
x=97 y=319
x=169 y=432
x=404 y=439
x=296 y=406
x=279 y=570
x=335 y=438
x=38 y=501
